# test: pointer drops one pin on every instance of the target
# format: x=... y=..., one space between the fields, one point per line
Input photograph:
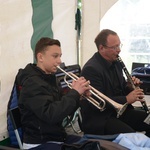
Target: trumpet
x=132 y=84
x=101 y=102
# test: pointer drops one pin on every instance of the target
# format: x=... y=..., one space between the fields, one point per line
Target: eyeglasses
x=114 y=47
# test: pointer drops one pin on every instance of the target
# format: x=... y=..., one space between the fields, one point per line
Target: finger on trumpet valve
x=88 y=83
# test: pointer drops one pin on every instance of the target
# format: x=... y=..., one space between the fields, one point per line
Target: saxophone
x=129 y=77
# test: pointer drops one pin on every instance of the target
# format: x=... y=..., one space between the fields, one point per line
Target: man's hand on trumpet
x=82 y=86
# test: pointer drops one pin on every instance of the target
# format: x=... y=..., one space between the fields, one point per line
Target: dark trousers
x=130 y=121
x=54 y=146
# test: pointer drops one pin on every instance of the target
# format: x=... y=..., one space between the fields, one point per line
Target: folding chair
x=16 y=122
x=76 y=121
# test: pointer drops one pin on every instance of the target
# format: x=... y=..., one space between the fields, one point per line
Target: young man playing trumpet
x=41 y=105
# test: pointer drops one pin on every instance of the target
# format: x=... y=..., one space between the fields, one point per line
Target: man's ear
x=40 y=57
x=101 y=47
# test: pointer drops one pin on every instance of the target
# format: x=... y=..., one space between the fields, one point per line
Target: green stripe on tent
x=41 y=20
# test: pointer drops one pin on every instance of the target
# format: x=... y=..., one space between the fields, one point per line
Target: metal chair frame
x=16 y=122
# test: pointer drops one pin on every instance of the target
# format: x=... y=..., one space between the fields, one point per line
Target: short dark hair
x=43 y=43
x=101 y=38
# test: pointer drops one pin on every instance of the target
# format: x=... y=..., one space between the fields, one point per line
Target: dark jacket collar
x=106 y=63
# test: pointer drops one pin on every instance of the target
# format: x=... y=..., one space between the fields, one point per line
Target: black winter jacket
x=42 y=108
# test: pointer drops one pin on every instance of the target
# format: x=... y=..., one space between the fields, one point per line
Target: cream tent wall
x=16 y=31
x=15 y=51
x=92 y=13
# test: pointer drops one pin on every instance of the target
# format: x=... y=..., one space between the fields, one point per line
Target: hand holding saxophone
x=137 y=82
x=133 y=82
x=135 y=95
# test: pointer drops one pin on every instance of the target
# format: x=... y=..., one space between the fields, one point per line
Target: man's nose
x=59 y=61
